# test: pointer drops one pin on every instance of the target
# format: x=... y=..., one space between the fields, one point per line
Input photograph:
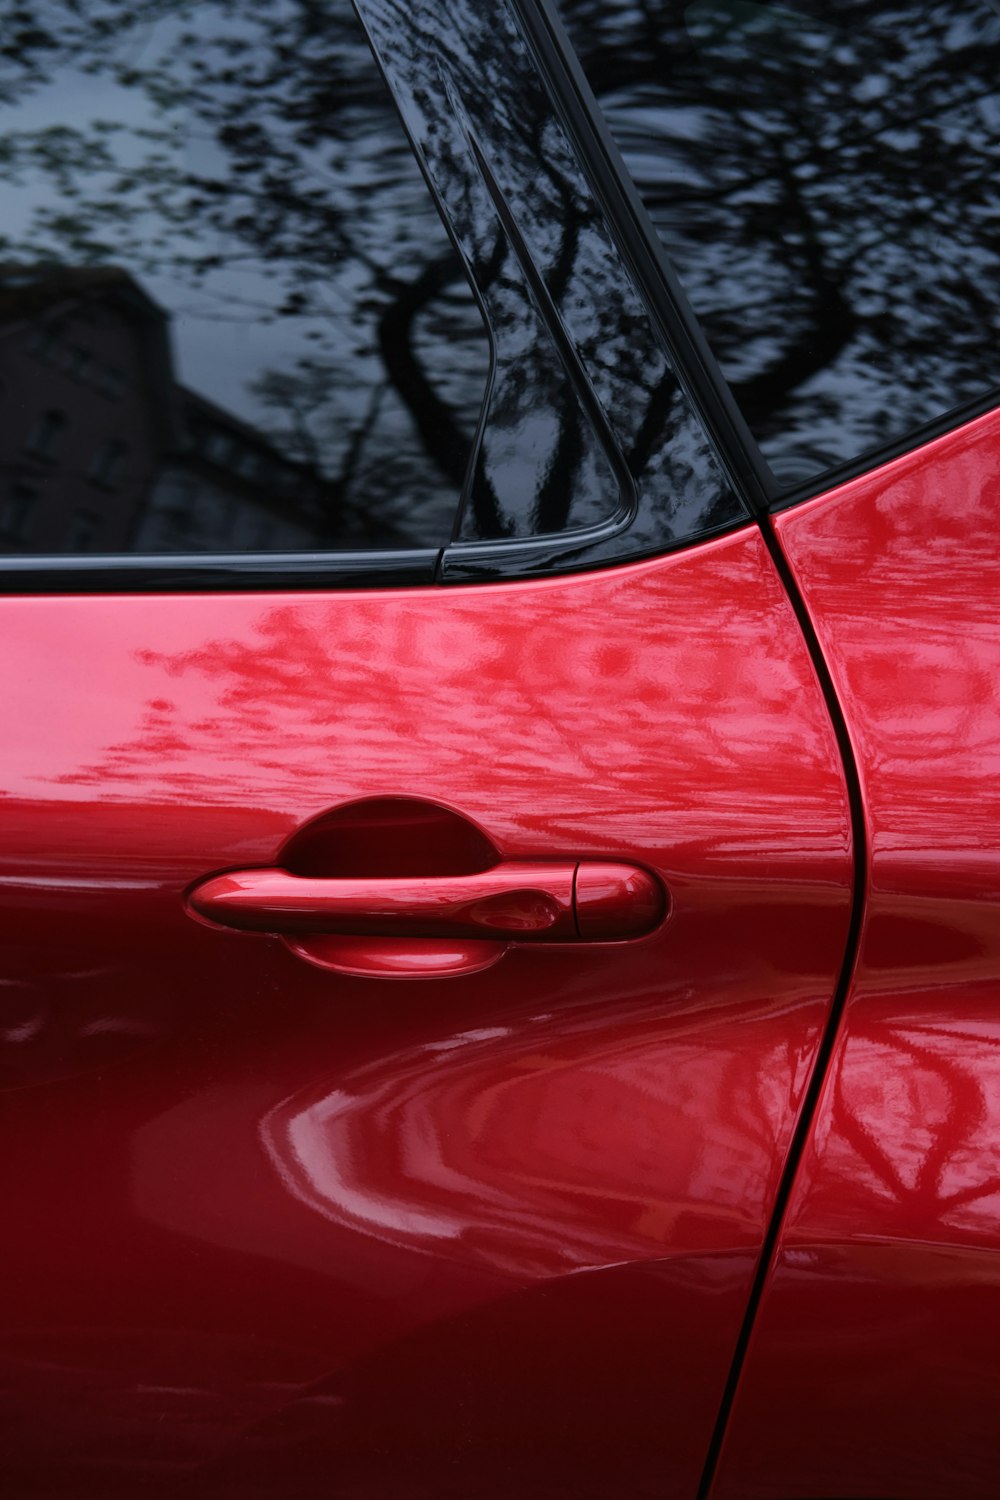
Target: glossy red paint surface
x=269 y=1228
x=878 y=1339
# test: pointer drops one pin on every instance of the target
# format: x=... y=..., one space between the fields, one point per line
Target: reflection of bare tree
x=824 y=177
x=269 y=182
x=272 y=183
x=310 y=698
x=585 y=418
x=913 y=1124
x=822 y=182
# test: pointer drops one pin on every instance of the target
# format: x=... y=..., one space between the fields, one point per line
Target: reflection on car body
x=468 y=447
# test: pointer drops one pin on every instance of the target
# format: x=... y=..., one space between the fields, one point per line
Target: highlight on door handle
x=417 y=927
x=519 y=901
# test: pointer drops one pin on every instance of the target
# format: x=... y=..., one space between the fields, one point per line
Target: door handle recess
x=580 y=901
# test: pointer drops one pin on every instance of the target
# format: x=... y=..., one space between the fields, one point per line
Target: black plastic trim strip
x=640 y=248
x=831 y=1030
x=205 y=572
x=576 y=374
x=565 y=552
x=464 y=562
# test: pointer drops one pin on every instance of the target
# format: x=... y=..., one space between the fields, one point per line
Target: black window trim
x=209 y=572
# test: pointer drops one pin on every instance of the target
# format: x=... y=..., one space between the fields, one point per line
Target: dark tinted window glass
x=230 y=317
x=587 y=425
x=825 y=178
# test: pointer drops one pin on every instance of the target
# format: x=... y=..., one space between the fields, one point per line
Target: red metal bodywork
x=268 y=1227
x=874 y=1367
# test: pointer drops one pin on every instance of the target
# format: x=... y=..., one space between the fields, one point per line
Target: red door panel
x=269 y=1225
x=878 y=1338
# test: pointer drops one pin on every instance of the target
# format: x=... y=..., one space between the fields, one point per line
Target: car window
x=591 y=448
x=231 y=319
x=824 y=177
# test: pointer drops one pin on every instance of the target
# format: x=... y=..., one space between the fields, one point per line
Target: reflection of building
x=225 y=488
x=102 y=451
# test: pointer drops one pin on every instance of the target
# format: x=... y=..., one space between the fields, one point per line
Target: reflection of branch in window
x=78 y=361
x=822 y=179
x=300 y=208
x=45 y=340
x=83 y=529
x=432 y=417
x=111 y=382
x=15 y=509
x=106 y=464
x=46 y=435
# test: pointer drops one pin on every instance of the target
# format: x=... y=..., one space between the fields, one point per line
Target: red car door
x=416 y=958
x=826 y=178
x=877 y=1334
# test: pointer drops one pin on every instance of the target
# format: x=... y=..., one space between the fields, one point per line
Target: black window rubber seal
x=223 y=572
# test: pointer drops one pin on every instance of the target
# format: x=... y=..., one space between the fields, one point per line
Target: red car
x=501 y=750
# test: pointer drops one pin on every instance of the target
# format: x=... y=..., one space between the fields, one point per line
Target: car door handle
x=579 y=901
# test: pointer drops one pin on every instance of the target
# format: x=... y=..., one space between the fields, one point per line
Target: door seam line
x=831 y=1029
